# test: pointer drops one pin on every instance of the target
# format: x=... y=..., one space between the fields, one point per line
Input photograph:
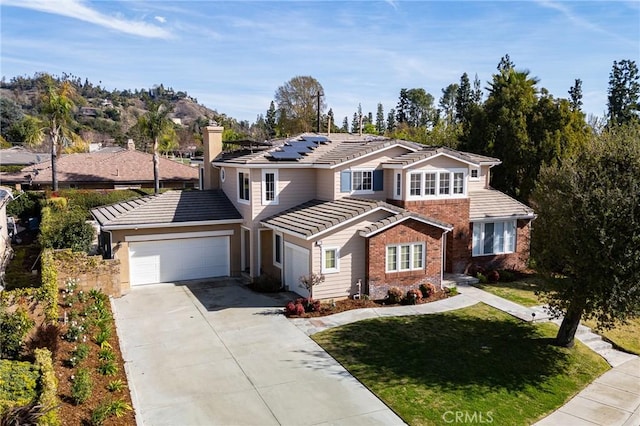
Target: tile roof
x=431 y=151
x=315 y=216
x=489 y=203
x=18 y=155
x=401 y=217
x=121 y=166
x=341 y=147
x=171 y=207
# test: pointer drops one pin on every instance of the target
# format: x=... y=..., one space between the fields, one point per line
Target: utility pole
x=318 y=95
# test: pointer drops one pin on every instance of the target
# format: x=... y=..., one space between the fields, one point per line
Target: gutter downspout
x=444 y=256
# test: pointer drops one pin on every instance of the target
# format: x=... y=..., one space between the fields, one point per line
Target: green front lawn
x=520 y=291
x=477 y=361
x=626 y=337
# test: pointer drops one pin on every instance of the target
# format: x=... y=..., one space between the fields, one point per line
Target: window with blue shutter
x=345 y=181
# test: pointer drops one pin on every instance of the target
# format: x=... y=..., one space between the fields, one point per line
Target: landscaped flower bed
x=308 y=308
x=92 y=384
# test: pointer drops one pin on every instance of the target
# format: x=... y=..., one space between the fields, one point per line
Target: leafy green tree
x=575 y=95
x=624 y=92
x=153 y=125
x=10 y=115
x=297 y=103
x=380 y=126
x=421 y=110
x=586 y=239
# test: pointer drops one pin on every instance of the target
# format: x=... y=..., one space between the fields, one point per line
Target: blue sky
x=232 y=56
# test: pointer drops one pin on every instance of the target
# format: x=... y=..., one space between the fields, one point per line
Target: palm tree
x=153 y=125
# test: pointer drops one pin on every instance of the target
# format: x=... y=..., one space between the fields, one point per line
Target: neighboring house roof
x=337 y=149
x=170 y=209
x=18 y=155
x=428 y=152
x=121 y=166
x=314 y=217
x=491 y=204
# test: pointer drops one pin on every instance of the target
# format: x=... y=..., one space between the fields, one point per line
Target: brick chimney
x=212 y=144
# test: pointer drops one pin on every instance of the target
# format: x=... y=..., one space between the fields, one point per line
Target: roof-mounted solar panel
x=317 y=139
x=308 y=144
x=285 y=155
x=296 y=148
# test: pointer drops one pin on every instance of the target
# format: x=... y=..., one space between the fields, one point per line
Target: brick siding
x=379 y=281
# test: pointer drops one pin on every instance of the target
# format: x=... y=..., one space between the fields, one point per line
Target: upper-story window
x=474 y=173
x=244 y=187
x=434 y=184
x=269 y=187
x=361 y=181
x=398 y=193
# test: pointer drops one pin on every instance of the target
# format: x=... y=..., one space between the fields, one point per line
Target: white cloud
x=77 y=9
x=160 y=19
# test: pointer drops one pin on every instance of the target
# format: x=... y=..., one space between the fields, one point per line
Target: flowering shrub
x=427 y=289
x=413 y=297
x=293 y=309
x=300 y=306
x=394 y=295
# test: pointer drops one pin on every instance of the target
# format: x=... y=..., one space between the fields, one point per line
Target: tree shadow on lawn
x=447 y=351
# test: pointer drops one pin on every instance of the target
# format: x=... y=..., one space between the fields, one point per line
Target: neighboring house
x=5 y=242
x=20 y=156
x=105 y=169
x=366 y=212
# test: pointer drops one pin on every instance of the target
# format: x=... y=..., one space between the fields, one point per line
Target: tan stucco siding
x=295 y=186
x=483 y=179
x=352 y=259
x=120 y=247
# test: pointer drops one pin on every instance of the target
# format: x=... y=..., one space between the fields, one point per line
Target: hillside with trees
x=107 y=117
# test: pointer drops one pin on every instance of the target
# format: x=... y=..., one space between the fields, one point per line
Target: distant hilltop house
x=366 y=212
x=107 y=168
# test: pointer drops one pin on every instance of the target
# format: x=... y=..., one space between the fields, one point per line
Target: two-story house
x=366 y=212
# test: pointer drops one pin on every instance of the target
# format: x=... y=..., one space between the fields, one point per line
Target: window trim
x=398 y=262
x=474 y=169
x=398 y=186
x=436 y=188
x=353 y=176
x=478 y=238
x=243 y=172
x=277 y=235
x=265 y=172
x=323 y=257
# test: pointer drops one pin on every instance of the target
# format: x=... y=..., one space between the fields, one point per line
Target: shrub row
x=300 y=306
x=395 y=295
x=48 y=387
x=64 y=227
x=18 y=384
x=49 y=288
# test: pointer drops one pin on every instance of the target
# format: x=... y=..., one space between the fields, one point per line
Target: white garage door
x=296 y=265
x=178 y=259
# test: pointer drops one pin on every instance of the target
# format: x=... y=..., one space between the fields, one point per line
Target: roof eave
x=116 y=227
x=447 y=228
x=530 y=216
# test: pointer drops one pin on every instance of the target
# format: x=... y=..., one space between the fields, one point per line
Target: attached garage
x=174 y=236
x=178 y=259
x=296 y=265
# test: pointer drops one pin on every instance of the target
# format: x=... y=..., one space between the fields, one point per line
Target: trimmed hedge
x=49 y=289
x=48 y=387
x=62 y=227
x=18 y=384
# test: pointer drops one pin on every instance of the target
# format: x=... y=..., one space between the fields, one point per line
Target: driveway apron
x=215 y=353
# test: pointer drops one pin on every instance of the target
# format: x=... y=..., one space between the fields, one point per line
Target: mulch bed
x=330 y=308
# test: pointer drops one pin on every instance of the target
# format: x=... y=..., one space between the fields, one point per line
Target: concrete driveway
x=215 y=353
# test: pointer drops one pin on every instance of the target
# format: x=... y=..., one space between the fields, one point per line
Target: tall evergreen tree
x=355 y=123
x=463 y=99
x=575 y=95
x=402 y=110
x=448 y=103
x=624 y=92
x=391 y=121
x=380 y=127
x=270 y=121
x=476 y=95
x=345 y=125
